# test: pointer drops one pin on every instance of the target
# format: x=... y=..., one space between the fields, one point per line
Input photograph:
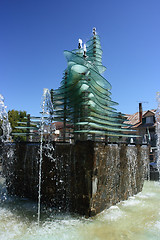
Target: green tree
x=14 y=117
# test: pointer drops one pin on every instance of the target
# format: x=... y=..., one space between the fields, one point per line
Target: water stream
x=47 y=108
x=158 y=132
x=136 y=218
x=6 y=126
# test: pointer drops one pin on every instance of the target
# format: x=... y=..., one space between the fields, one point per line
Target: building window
x=149 y=119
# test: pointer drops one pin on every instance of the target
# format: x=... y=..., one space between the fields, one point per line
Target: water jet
x=90 y=167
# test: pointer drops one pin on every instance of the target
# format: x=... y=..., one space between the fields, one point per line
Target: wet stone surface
x=85 y=177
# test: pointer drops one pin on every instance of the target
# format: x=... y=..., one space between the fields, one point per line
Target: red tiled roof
x=59 y=125
x=133 y=119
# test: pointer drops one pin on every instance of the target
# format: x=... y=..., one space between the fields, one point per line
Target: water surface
x=136 y=218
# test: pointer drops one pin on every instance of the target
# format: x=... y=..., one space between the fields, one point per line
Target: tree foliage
x=14 y=117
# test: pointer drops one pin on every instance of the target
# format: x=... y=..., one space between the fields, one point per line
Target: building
x=55 y=132
x=144 y=122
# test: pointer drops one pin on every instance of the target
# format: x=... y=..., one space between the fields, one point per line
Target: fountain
x=84 y=177
x=47 y=108
x=154 y=167
x=6 y=127
x=91 y=173
x=83 y=100
x=136 y=218
x=158 y=132
x=84 y=173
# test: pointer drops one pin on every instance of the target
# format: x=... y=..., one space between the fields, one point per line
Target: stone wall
x=85 y=177
x=20 y=166
x=119 y=172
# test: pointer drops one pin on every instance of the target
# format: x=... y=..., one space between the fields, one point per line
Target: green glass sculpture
x=83 y=101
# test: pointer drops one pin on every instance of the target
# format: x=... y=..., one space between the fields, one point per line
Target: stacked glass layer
x=84 y=99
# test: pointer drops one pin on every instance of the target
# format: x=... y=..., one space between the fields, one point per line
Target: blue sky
x=34 y=33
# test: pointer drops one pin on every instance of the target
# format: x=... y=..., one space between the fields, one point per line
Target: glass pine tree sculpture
x=83 y=101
